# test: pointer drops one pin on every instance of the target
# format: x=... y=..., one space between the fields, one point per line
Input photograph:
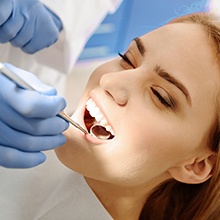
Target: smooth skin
x=160 y=101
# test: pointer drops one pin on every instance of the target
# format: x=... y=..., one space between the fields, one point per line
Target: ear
x=196 y=171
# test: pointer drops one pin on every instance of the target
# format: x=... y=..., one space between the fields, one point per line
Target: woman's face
x=160 y=103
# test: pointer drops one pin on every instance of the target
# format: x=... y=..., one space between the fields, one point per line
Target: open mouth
x=96 y=122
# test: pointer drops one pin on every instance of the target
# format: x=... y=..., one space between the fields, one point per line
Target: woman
x=160 y=103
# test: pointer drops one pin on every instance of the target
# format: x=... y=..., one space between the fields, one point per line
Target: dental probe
x=20 y=82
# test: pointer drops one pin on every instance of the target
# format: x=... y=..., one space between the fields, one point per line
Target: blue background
x=134 y=18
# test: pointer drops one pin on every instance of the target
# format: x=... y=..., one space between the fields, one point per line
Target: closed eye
x=125 y=58
x=165 y=100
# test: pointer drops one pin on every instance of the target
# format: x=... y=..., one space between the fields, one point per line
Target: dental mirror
x=99 y=132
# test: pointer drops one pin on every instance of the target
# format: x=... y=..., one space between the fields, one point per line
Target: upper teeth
x=95 y=112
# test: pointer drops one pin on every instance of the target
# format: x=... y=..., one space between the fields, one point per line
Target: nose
x=117 y=85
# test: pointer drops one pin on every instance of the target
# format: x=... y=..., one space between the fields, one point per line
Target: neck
x=122 y=202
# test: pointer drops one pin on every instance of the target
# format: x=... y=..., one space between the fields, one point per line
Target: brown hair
x=173 y=200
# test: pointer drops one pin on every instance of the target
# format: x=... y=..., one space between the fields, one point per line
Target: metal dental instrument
x=100 y=132
x=20 y=82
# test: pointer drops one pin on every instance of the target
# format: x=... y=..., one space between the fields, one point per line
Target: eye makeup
x=125 y=58
x=165 y=99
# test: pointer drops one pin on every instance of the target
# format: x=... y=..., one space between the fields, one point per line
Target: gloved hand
x=28 y=24
x=28 y=121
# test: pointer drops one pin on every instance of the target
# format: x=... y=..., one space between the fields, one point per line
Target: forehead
x=179 y=36
x=182 y=48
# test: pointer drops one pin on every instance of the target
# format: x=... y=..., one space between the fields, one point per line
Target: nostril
x=108 y=94
x=119 y=96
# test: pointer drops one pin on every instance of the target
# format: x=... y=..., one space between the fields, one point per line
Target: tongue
x=89 y=123
x=89 y=120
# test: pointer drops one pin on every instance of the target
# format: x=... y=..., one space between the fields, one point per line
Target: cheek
x=160 y=144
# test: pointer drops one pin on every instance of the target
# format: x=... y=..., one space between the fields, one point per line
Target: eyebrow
x=140 y=45
x=168 y=77
x=164 y=74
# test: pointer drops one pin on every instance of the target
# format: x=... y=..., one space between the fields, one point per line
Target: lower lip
x=93 y=139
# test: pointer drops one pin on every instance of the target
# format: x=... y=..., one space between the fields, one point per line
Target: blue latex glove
x=28 y=24
x=28 y=121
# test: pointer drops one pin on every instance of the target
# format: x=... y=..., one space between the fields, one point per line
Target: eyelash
x=162 y=100
x=160 y=97
x=125 y=58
